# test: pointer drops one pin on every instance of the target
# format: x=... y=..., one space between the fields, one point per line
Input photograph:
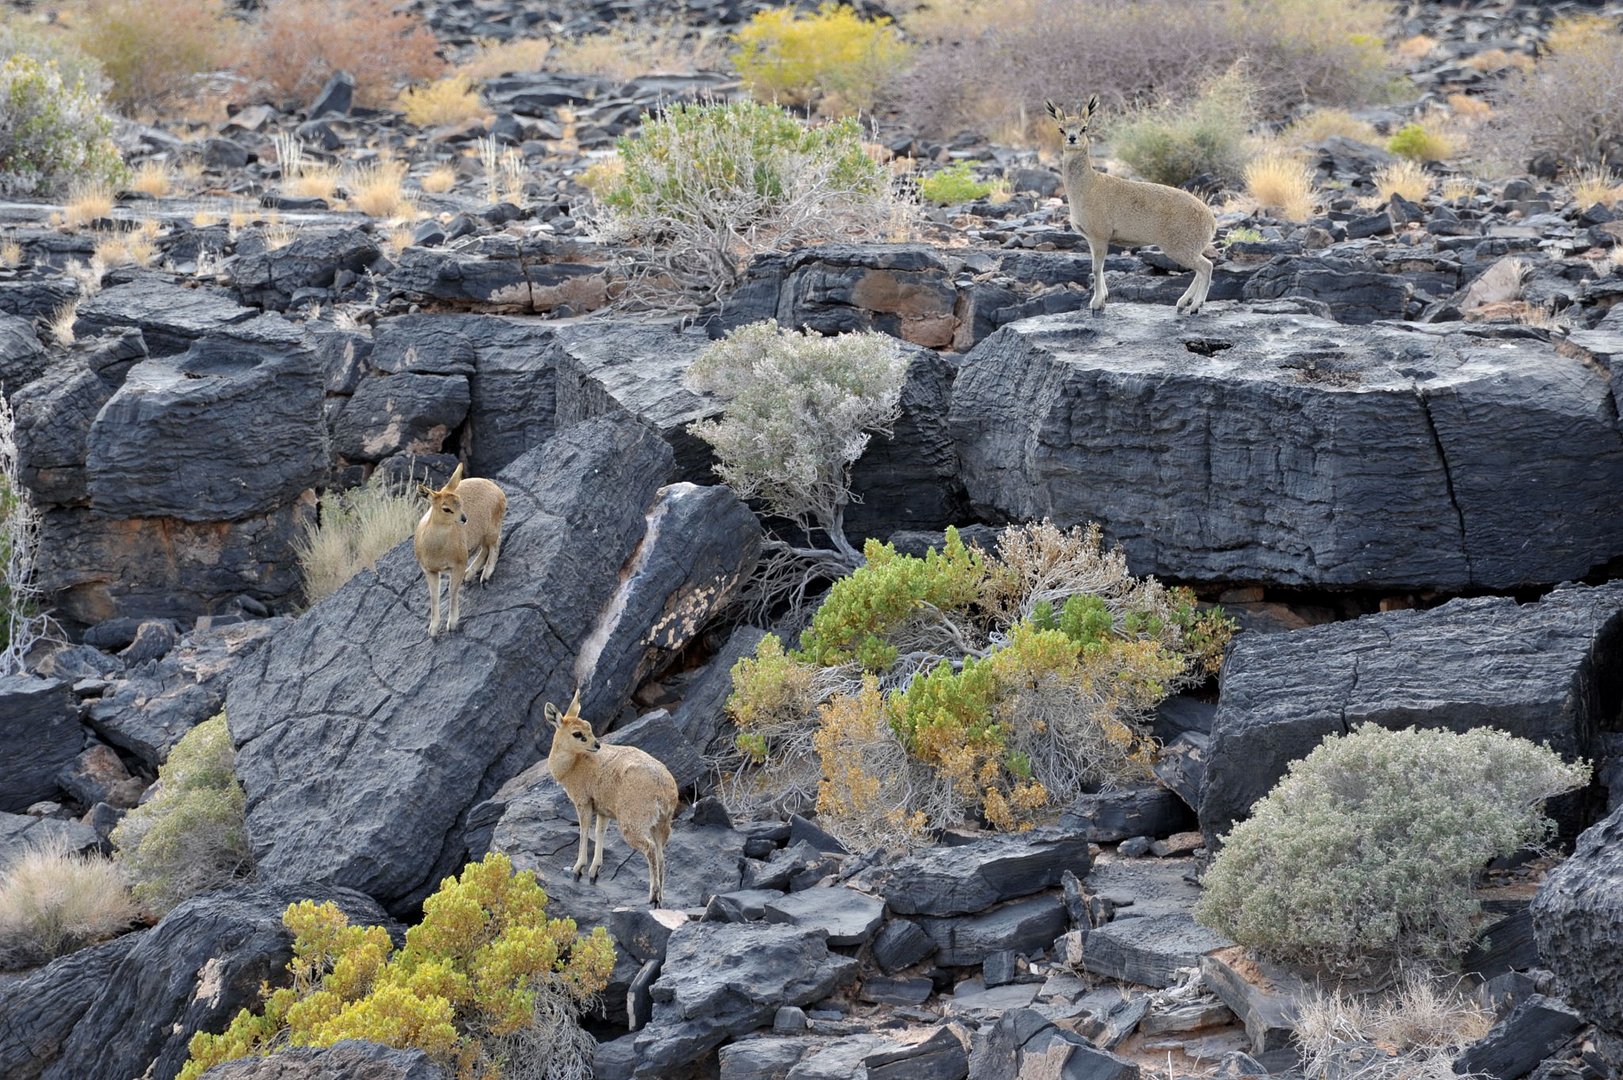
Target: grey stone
x=750 y=904
x=1355 y=289
x=153 y=640
x=1578 y=922
x=335 y=97
x=228 y=430
x=723 y=980
x=971 y=877
x=974 y=999
x=941 y=1056
x=1529 y=669
x=909 y=480
x=1181 y=765
x=1145 y=888
x=192 y=972
x=424 y=730
x=643 y=932
x=1139 y=810
x=269 y=278
x=169 y=316
x=701 y=716
x=901 y=944
x=999 y=968
x=22 y=357
x=1027 y=926
x=1193 y=1016
x=1134 y=847
x=1534 y=1030
x=1266 y=1002
x=1506 y=945
x=20 y=832
x=98 y=775
x=1148 y=951
x=408 y=413
x=1289 y=450
x=40 y=736
x=763 y=1058
x=351 y=1059
x=1026 y=1043
x=37 y=297
x=883 y=990
x=146 y=713
x=848 y=917
x=39 y=1010
x=54 y=413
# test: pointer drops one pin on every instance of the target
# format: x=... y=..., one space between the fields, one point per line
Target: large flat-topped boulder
x=1543 y=671
x=169 y=315
x=1286 y=449
x=421 y=730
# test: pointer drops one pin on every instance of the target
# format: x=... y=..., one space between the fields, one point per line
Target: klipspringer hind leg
x=1195 y=296
x=597 y=857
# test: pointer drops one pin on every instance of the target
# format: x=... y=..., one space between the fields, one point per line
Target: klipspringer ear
x=1053 y=110
x=1093 y=103
x=574 y=705
x=456 y=478
x=551 y=714
x=425 y=491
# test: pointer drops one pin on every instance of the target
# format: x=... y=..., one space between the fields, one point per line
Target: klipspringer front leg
x=584 y=813
x=1098 y=249
x=597 y=858
x=433 y=600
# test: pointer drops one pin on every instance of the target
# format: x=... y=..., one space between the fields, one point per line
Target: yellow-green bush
x=1420 y=143
x=953 y=185
x=484 y=964
x=190 y=835
x=1177 y=142
x=835 y=58
x=963 y=683
x=1367 y=853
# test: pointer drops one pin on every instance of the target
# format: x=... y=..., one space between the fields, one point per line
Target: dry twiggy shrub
x=152 y=50
x=1321 y=124
x=629 y=50
x=299 y=44
x=53 y=902
x=1568 y=104
x=1412 y=1031
x=490 y=59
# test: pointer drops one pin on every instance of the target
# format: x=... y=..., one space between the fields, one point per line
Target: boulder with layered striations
x=1290 y=450
x=421 y=730
x=1578 y=921
x=1541 y=671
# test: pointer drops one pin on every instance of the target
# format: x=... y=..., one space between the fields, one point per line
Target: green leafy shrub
x=1176 y=143
x=927 y=689
x=1367 y=852
x=1420 y=143
x=352 y=531
x=705 y=187
x=189 y=836
x=485 y=965
x=834 y=58
x=52 y=134
x=53 y=901
x=800 y=409
x=953 y=185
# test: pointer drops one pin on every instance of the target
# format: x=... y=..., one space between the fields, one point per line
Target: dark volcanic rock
x=972 y=877
x=1291 y=450
x=1535 y=1029
x=229 y=430
x=54 y=415
x=190 y=973
x=40 y=736
x=1141 y=810
x=350 y=1059
x=22 y=357
x=1578 y=922
x=1148 y=951
x=406 y=413
x=1355 y=290
x=1026 y=1043
x=723 y=980
x=1535 y=670
x=37 y=297
x=170 y=316
x=422 y=730
x=910 y=479
x=269 y=278
x=39 y=1011
x=1026 y=926
x=19 y=832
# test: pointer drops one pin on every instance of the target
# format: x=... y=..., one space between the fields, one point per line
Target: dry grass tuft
x=1321 y=124
x=354 y=529
x=1280 y=182
x=1491 y=60
x=88 y=202
x=316 y=182
x=191 y=173
x=153 y=178
x=1416 y=48
x=1469 y=108
x=1410 y=1032
x=399 y=239
x=1458 y=187
x=60 y=326
x=451 y=100
x=1406 y=178
x=631 y=50
x=378 y=189
x=53 y=901
x=492 y=58
x=11 y=253
x=1593 y=184
x=440 y=179
x=137 y=247
x=278 y=235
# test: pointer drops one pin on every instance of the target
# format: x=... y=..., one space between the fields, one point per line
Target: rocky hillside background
x=1389 y=449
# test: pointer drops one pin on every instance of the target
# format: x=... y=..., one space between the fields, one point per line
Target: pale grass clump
x=191 y=173
x=1469 y=108
x=399 y=239
x=135 y=247
x=1457 y=187
x=153 y=177
x=1592 y=184
x=1617 y=256
x=1406 y=178
x=87 y=202
x=630 y=50
x=1321 y=124
x=451 y=100
x=505 y=171
x=53 y=901
x=352 y=531
x=1417 y=47
x=60 y=325
x=491 y=58
x=377 y=189
x=278 y=235
x=1410 y=1032
x=316 y=181
x=11 y=253
x=1491 y=60
x=440 y=179
x=1280 y=182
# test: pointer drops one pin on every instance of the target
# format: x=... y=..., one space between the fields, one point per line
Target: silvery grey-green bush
x=1367 y=852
